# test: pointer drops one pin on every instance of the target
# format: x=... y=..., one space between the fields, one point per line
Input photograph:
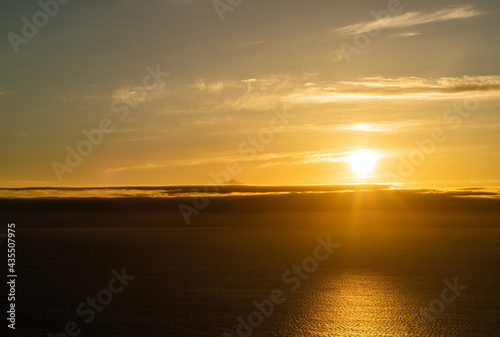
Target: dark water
x=197 y=281
x=410 y=263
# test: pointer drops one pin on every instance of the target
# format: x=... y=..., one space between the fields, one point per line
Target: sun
x=363 y=162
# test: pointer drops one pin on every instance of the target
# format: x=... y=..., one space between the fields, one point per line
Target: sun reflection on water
x=359 y=304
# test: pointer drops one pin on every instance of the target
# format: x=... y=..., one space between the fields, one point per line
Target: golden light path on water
x=359 y=304
x=353 y=300
x=365 y=305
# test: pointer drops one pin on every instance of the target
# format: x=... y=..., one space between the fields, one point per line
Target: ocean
x=236 y=271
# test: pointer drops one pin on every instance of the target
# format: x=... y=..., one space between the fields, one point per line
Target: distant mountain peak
x=233 y=182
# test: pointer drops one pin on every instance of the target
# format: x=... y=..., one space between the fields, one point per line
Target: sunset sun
x=363 y=162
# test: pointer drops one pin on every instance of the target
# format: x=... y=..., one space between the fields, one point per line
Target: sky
x=274 y=92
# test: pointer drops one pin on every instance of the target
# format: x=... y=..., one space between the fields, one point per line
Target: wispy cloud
x=5 y=92
x=208 y=121
x=133 y=168
x=74 y=96
x=258 y=94
x=262 y=160
x=19 y=134
x=373 y=88
x=129 y=93
x=405 y=34
x=443 y=84
x=212 y=87
x=184 y=2
x=411 y=19
x=450 y=194
x=370 y=127
x=221 y=98
x=251 y=43
x=304 y=158
x=169 y=2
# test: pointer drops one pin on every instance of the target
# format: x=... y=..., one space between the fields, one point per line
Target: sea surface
x=386 y=276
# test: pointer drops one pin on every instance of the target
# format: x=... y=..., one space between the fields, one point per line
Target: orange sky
x=281 y=92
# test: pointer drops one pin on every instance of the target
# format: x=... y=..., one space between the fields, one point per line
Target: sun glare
x=363 y=162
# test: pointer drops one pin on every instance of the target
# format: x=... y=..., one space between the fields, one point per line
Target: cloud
x=167 y=164
x=132 y=168
x=310 y=157
x=184 y=2
x=373 y=88
x=370 y=127
x=219 y=98
x=129 y=93
x=4 y=92
x=168 y=2
x=140 y=139
x=412 y=83
x=262 y=160
x=251 y=43
x=405 y=34
x=257 y=94
x=410 y=19
x=19 y=134
x=74 y=96
x=212 y=87
x=208 y=121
